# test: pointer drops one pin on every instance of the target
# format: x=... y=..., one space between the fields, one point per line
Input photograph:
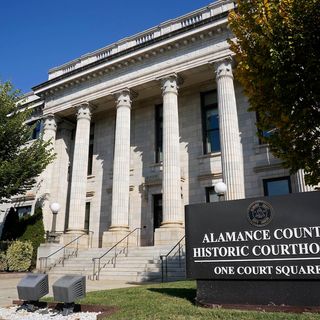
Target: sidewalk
x=9 y=281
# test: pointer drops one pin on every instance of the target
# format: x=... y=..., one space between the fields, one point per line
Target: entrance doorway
x=157 y=211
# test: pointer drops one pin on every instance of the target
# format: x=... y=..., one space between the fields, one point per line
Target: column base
x=168 y=234
x=44 y=250
x=83 y=242
x=114 y=235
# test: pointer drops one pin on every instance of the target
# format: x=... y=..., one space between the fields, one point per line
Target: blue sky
x=37 y=35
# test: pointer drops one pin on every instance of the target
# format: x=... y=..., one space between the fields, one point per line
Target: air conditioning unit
x=68 y=289
x=31 y=288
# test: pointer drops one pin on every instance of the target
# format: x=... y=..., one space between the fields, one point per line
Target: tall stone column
x=231 y=148
x=121 y=171
x=300 y=182
x=60 y=178
x=49 y=134
x=171 y=229
x=79 y=170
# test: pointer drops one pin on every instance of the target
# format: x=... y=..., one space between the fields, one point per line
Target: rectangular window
x=87 y=216
x=158 y=132
x=211 y=195
x=277 y=186
x=37 y=129
x=90 y=156
x=23 y=211
x=210 y=122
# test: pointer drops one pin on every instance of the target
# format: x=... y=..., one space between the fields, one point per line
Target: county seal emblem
x=260 y=213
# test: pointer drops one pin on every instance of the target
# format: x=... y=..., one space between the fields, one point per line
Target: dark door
x=157 y=211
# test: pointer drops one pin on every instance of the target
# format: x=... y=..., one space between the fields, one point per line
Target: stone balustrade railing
x=145 y=36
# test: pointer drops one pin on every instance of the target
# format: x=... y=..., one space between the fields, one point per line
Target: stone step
x=75 y=263
x=140 y=264
x=118 y=269
x=140 y=277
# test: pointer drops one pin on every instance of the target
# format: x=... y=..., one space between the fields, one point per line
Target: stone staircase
x=141 y=264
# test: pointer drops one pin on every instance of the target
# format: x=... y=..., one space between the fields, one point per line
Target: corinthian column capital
x=170 y=83
x=124 y=97
x=50 y=123
x=84 y=111
x=223 y=67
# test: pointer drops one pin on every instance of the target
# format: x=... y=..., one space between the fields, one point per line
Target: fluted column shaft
x=300 y=182
x=79 y=170
x=49 y=134
x=172 y=211
x=60 y=177
x=121 y=163
x=231 y=149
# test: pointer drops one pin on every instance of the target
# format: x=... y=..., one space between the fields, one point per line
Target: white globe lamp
x=220 y=188
x=55 y=207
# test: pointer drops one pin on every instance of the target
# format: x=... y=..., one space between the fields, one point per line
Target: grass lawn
x=173 y=301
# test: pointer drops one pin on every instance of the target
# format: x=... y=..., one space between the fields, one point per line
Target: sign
x=267 y=238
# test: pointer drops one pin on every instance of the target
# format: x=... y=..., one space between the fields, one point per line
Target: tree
x=32 y=230
x=277 y=49
x=21 y=161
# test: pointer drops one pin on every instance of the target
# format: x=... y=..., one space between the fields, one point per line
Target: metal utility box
x=69 y=288
x=33 y=287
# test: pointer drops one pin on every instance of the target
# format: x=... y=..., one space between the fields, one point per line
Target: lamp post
x=55 y=207
x=220 y=188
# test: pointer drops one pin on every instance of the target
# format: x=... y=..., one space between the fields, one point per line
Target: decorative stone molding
x=212 y=176
x=155 y=179
x=269 y=167
x=124 y=97
x=89 y=194
x=26 y=197
x=170 y=83
x=84 y=111
x=223 y=68
x=50 y=123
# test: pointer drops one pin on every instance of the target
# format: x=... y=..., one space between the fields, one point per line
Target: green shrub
x=3 y=261
x=33 y=231
x=19 y=256
x=28 y=228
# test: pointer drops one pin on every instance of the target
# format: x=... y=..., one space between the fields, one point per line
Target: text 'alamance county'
x=265 y=250
x=260 y=235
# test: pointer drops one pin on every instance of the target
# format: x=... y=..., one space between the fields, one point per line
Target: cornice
x=132 y=82
x=84 y=73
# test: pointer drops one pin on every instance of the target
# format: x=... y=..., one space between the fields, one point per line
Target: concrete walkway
x=9 y=281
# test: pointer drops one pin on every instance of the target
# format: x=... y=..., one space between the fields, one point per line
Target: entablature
x=200 y=24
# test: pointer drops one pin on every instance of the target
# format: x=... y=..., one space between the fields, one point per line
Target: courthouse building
x=145 y=126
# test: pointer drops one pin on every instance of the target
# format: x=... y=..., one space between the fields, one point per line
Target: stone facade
x=104 y=109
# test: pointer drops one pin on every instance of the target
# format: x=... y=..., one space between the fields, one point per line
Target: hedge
x=19 y=256
x=3 y=261
x=29 y=228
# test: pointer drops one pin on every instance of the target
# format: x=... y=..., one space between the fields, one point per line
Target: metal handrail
x=164 y=260
x=44 y=260
x=113 y=259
